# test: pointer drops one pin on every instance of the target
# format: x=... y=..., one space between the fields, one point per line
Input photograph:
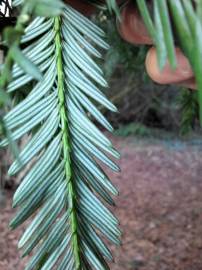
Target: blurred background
x=157 y=133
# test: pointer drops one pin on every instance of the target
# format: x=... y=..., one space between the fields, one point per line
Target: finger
x=82 y=6
x=182 y=73
x=131 y=27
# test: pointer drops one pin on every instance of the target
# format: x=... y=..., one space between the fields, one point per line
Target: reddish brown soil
x=160 y=210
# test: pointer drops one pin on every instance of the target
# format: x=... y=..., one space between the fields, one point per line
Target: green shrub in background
x=188 y=104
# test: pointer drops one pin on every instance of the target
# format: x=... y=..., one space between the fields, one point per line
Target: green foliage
x=50 y=60
x=123 y=56
x=12 y=38
x=47 y=8
x=132 y=129
x=130 y=57
x=189 y=107
x=113 y=7
x=25 y=63
x=61 y=188
x=137 y=97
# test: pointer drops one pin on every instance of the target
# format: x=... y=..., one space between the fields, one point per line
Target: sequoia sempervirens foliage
x=66 y=192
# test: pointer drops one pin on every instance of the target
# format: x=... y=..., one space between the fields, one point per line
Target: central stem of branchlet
x=66 y=144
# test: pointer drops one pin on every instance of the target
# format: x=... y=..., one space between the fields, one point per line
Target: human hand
x=133 y=30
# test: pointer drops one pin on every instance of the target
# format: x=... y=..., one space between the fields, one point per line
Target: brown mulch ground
x=160 y=209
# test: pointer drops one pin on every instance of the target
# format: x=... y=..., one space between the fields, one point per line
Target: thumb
x=183 y=71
